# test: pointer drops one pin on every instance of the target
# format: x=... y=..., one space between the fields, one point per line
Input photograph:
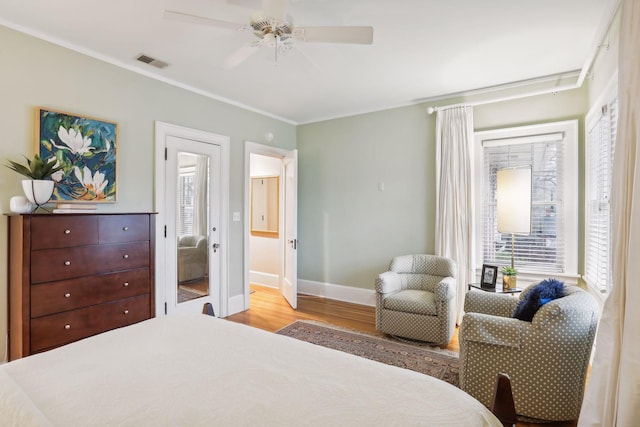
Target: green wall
x=37 y=73
x=348 y=229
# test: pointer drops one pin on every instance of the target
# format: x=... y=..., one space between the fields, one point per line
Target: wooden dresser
x=76 y=275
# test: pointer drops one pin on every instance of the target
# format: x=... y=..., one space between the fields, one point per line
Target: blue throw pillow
x=538 y=296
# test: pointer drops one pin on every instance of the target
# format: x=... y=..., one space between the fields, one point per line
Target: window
x=185 y=190
x=601 y=137
x=551 y=150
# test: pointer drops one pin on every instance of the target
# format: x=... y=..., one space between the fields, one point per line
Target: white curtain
x=455 y=235
x=613 y=391
x=200 y=196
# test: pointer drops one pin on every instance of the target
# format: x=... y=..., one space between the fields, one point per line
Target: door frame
x=269 y=151
x=162 y=130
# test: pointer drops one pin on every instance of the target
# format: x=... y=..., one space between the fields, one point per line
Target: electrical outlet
x=236 y=216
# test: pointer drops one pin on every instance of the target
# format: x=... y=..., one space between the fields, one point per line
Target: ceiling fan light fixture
x=270 y=40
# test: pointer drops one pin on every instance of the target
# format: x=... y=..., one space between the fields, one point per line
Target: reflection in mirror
x=264 y=206
x=192 y=226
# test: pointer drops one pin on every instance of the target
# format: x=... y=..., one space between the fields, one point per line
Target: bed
x=200 y=370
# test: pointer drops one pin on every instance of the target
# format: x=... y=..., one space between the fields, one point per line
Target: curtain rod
x=431 y=110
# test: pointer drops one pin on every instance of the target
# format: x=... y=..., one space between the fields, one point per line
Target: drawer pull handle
x=126 y=312
x=67 y=263
x=125 y=256
x=67 y=295
x=67 y=327
x=67 y=231
x=125 y=228
x=125 y=284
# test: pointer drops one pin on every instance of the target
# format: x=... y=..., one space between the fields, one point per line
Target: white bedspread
x=199 y=370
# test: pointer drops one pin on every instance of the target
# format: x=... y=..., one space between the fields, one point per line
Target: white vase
x=20 y=204
x=38 y=191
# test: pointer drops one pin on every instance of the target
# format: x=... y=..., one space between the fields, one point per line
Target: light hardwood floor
x=270 y=311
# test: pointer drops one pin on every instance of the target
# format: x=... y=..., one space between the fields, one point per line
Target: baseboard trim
x=264 y=279
x=337 y=292
x=236 y=304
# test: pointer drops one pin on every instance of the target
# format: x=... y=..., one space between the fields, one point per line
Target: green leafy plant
x=34 y=169
x=509 y=271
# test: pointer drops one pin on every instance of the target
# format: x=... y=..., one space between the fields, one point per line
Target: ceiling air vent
x=151 y=61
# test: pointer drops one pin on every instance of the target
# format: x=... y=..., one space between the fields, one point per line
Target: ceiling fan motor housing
x=271 y=26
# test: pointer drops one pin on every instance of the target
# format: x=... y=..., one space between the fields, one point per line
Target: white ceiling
x=421 y=49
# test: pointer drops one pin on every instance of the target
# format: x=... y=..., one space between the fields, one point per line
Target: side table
x=497 y=289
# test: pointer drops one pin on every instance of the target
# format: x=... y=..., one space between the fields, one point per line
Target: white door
x=192 y=225
x=289 y=287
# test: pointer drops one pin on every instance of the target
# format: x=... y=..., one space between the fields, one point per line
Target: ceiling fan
x=273 y=30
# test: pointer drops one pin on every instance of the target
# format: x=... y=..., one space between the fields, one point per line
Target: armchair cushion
x=412 y=301
x=536 y=297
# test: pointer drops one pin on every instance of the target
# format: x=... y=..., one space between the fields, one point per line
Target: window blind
x=543 y=250
x=185 y=210
x=598 y=173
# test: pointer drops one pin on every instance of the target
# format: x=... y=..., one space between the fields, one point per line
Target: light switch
x=381 y=186
x=236 y=216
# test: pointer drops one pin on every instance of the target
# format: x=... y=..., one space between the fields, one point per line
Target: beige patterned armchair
x=547 y=358
x=192 y=257
x=416 y=298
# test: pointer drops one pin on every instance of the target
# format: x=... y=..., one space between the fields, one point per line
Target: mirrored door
x=193 y=212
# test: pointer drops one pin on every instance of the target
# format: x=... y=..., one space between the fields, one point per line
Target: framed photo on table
x=489 y=276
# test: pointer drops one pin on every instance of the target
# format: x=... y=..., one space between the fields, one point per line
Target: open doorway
x=264 y=227
x=270 y=221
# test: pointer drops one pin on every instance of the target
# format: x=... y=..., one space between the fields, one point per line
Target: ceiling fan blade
x=195 y=19
x=354 y=35
x=276 y=9
x=241 y=55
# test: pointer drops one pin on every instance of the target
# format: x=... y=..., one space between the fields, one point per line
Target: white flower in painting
x=74 y=141
x=56 y=176
x=95 y=183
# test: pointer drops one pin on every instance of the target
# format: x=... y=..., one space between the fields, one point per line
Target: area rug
x=437 y=363
x=187 y=294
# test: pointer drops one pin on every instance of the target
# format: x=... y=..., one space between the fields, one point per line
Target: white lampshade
x=513 y=195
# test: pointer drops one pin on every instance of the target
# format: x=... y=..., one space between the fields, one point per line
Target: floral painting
x=86 y=149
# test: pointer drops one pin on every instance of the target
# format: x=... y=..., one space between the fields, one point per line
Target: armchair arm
x=388 y=282
x=202 y=243
x=494 y=330
x=502 y=305
x=445 y=289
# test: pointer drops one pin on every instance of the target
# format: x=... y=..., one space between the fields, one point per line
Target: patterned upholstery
x=416 y=298
x=192 y=257
x=547 y=358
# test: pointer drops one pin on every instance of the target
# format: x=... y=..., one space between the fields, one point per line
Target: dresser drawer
x=50 y=265
x=123 y=228
x=63 y=328
x=49 y=231
x=65 y=295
